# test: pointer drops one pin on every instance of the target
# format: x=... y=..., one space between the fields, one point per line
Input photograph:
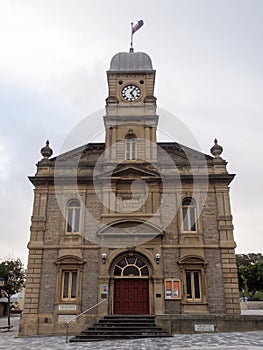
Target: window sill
x=194 y=303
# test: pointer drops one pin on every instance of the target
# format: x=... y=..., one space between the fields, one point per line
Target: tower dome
x=131 y=61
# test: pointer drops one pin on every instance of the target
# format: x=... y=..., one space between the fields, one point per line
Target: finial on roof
x=216 y=150
x=46 y=151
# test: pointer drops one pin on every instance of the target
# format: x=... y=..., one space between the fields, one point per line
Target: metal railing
x=77 y=316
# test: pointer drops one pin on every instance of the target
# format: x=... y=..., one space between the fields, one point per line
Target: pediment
x=70 y=260
x=131 y=227
x=128 y=233
x=192 y=260
x=131 y=172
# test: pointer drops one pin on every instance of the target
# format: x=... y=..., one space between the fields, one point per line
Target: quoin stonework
x=144 y=225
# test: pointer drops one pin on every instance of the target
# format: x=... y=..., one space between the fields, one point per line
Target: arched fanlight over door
x=131 y=267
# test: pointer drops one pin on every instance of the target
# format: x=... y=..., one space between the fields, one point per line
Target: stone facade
x=133 y=225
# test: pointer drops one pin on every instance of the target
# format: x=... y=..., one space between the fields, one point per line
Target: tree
x=248 y=259
x=250 y=272
x=13 y=275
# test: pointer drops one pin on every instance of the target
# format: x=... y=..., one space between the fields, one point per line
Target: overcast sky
x=54 y=55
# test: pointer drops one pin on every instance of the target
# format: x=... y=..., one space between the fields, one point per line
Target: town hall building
x=131 y=226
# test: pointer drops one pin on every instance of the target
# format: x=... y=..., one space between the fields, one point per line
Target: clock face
x=131 y=92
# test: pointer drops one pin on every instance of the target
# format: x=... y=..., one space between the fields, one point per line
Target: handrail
x=75 y=317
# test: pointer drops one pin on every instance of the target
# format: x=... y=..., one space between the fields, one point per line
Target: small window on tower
x=131 y=147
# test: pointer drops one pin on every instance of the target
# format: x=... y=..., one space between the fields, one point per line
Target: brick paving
x=207 y=341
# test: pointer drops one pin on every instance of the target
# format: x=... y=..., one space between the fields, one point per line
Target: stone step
x=121 y=330
x=111 y=337
x=124 y=326
x=121 y=327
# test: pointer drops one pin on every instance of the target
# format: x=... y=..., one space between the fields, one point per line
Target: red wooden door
x=131 y=296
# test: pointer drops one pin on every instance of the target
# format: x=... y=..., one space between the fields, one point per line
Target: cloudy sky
x=208 y=56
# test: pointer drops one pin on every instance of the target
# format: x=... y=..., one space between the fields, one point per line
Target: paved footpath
x=207 y=341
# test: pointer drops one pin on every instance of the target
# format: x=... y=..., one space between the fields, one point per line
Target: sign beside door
x=172 y=289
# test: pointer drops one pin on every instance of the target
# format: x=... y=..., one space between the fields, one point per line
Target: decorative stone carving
x=46 y=151
x=216 y=150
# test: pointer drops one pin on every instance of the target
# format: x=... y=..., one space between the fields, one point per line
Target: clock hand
x=132 y=92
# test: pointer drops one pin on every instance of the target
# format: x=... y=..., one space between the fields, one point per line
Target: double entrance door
x=131 y=296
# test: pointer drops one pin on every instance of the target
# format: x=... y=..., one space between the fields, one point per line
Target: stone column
x=158 y=296
x=29 y=320
x=227 y=245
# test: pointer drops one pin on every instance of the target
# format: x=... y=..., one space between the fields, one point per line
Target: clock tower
x=131 y=119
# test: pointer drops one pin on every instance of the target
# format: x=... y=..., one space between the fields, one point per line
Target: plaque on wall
x=65 y=318
x=204 y=328
x=67 y=307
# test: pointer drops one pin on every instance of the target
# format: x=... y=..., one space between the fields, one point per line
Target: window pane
x=187 y=201
x=185 y=219
x=77 y=217
x=131 y=271
x=192 y=218
x=122 y=263
x=196 y=284
x=69 y=224
x=131 y=260
x=133 y=150
x=74 y=285
x=117 y=271
x=144 y=271
x=65 y=287
x=74 y=203
x=188 y=285
x=127 y=150
x=140 y=263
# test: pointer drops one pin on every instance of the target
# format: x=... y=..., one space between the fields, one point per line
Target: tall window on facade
x=194 y=279
x=73 y=216
x=189 y=215
x=69 y=285
x=131 y=148
x=193 y=285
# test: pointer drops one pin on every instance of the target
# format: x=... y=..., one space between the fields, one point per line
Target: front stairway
x=121 y=327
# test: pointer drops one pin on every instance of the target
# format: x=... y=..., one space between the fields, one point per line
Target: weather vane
x=134 y=29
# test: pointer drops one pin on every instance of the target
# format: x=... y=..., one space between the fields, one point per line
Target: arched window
x=73 y=216
x=189 y=215
x=130 y=147
x=131 y=266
